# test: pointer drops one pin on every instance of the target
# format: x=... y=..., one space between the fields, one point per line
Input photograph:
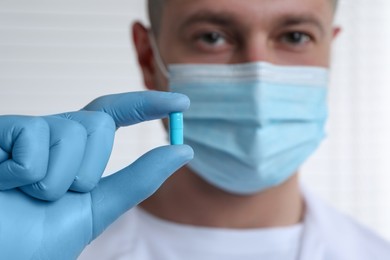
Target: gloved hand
x=40 y=158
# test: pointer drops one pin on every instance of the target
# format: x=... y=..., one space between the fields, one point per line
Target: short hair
x=155 y=8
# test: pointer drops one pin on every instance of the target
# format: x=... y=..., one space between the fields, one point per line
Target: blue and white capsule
x=176 y=128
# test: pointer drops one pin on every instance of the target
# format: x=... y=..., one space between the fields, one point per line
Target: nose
x=255 y=48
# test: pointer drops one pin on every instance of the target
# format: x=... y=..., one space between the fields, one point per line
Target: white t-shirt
x=325 y=234
x=141 y=236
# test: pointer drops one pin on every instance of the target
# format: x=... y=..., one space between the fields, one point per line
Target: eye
x=212 y=38
x=296 y=38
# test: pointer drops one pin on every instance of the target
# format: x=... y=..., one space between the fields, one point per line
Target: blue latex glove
x=40 y=158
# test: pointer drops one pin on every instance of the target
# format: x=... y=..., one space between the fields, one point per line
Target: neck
x=185 y=198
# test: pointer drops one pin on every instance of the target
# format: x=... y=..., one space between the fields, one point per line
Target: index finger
x=135 y=107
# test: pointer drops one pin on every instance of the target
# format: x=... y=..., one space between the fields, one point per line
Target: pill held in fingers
x=176 y=128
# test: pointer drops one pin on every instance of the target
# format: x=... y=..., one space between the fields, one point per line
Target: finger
x=101 y=132
x=24 y=150
x=4 y=156
x=135 y=107
x=67 y=145
x=119 y=192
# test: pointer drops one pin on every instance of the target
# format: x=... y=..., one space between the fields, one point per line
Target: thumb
x=123 y=190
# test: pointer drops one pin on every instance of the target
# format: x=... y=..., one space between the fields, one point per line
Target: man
x=255 y=72
x=225 y=204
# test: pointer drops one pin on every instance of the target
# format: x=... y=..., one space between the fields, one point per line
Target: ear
x=336 y=32
x=144 y=54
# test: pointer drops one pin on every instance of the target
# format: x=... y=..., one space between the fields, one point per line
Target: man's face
x=283 y=32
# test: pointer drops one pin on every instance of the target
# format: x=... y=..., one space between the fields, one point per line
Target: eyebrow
x=222 y=19
x=230 y=20
x=294 y=20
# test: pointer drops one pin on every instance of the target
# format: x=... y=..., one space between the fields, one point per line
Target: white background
x=56 y=56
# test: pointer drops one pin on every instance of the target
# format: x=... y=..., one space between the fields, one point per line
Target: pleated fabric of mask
x=251 y=125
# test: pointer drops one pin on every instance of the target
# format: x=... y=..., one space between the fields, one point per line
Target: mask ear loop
x=157 y=55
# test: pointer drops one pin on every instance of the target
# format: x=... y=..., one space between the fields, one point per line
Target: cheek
x=160 y=82
x=317 y=56
x=165 y=123
x=325 y=55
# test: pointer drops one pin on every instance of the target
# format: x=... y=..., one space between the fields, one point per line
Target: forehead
x=249 y=11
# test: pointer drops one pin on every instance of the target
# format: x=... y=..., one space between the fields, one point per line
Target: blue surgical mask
x=251 y=125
